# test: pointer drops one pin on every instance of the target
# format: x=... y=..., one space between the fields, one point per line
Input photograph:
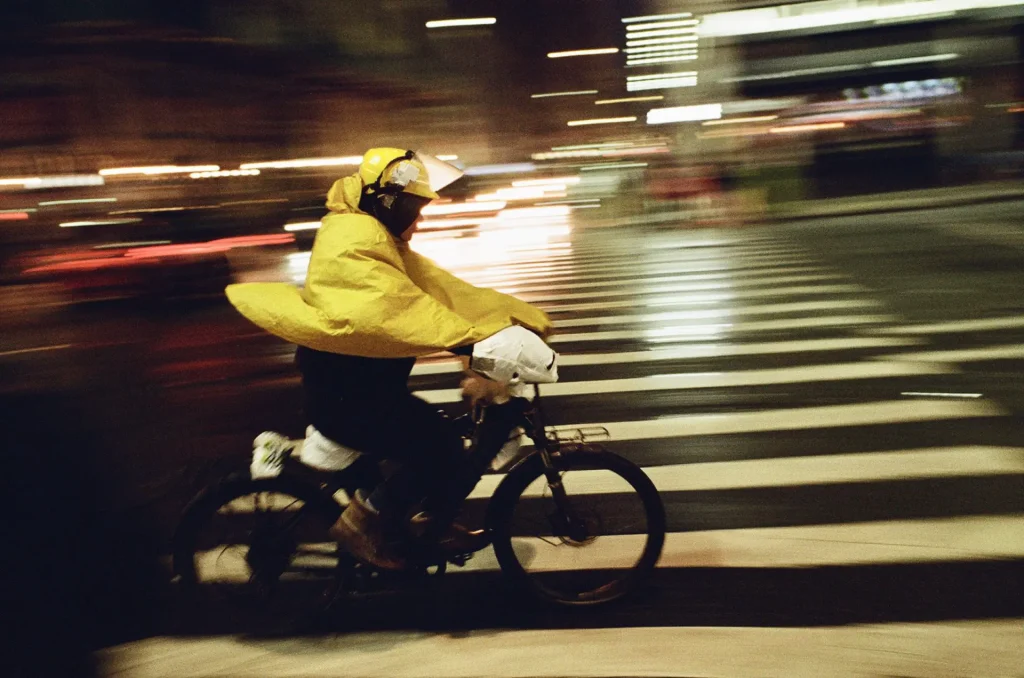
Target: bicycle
x=282 y=539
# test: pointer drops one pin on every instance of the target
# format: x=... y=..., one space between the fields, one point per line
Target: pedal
x=460 y=560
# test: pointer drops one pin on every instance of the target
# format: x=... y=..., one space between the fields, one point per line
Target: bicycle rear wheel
x=592 y=544
x=261 y=546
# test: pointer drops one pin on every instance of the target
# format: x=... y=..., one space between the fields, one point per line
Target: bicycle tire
x=202 y=509
x=576 y=458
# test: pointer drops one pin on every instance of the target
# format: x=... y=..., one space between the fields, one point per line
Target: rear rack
x=578 y=434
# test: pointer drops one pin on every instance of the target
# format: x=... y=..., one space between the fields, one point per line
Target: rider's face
x=409 y=232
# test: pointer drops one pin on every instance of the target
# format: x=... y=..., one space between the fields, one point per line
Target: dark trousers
x=433 y=468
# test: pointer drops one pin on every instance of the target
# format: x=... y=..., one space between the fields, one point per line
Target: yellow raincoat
x=367 y=294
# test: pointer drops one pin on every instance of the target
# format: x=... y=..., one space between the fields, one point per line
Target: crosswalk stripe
x=827 y=416
x=725 y=314
x=942 y=462
x=978 y=325
x=870 y=543
x=1011 y=352
x=719 y=330
x=672 y=382
x=668 y=294
x=954 y=648
x=626 y=262
x=449 y=365
x=772 y=263
x=946 y=648
x=917 y=540
x=764 y=274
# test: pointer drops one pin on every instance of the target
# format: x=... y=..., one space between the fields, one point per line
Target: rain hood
x=368 y=294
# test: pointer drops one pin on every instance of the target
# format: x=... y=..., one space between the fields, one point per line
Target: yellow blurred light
x=656 y=17
x=454 y=23
x=27 y=182
x=302 y=226
x=601 y=121
x=155 y=170
x=602 y=102
x=101 y=222
x=304 y=162
x=661 y=24
x=563 y=94
x=740 y=121
x=582 y=52
x=463 y=207
x=561 y=182
x=793 y=129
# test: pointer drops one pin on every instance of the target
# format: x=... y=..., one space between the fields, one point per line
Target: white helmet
x=515 y=355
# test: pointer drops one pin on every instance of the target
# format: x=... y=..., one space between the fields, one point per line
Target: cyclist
x=369 y=307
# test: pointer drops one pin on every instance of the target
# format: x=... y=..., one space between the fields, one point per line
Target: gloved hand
x=479 y=389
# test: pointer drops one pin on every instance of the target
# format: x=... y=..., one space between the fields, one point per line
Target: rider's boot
x=455 y=540
x=361 y=531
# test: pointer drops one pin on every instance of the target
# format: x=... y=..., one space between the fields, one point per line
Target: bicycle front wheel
x=592 y=537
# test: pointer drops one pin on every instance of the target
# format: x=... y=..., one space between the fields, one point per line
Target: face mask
x=396 y=212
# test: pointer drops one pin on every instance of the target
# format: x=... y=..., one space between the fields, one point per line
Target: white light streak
x=50 y=203
x=664 y=83
x=661 y=60
x=656 y=17
x=828 y=13
x=601 y=121
x=455 y=23
x=534 y=212
x=561 y=182
x=691 y=39
x=658 y=76
x=576 y=93
x=602 y=102
x=302 y=226
x=795 y=129
x=582 y=52
x=661 y=116
x=304 y=162
x=155 y=170
x=797 y=73
x=740 y=121
x=447 y=158
x=138 y=243
x=463 y=207
x=663 y=50
x=102 y=222
x=661 y=24
x=928 y=394
x=663 y=32
x=612 y=165
x=225 y=173
x=914 y=60
x=55 y=181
